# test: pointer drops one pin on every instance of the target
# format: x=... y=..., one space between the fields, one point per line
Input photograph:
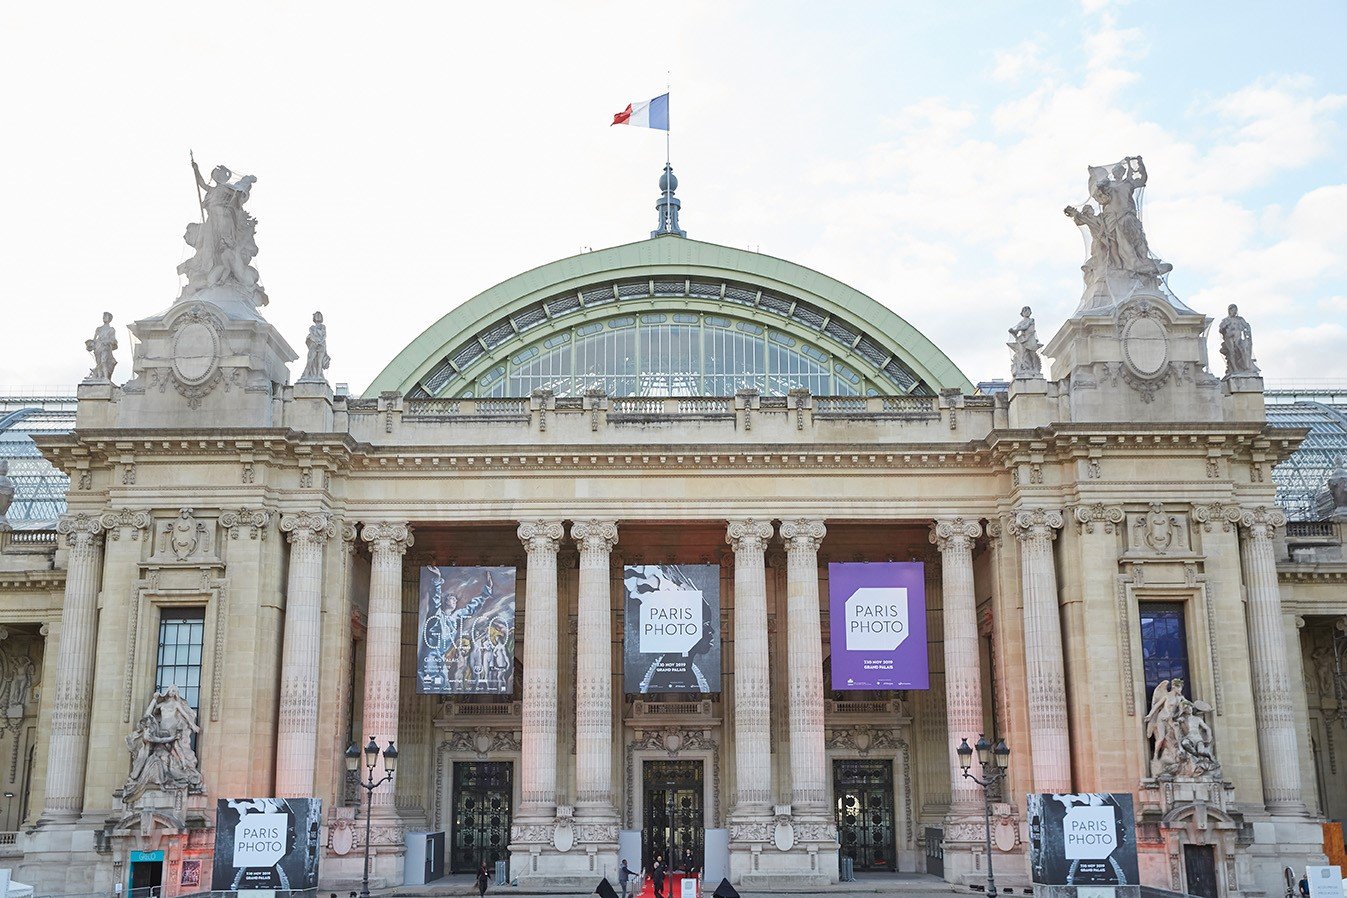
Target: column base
x=564 y=854
x=783 y=853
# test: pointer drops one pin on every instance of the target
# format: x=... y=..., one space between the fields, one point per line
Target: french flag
x=650 y=114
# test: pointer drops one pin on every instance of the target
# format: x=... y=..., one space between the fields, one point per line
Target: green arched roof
x=670 y=274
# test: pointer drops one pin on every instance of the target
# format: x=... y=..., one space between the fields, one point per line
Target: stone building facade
x=257 y=543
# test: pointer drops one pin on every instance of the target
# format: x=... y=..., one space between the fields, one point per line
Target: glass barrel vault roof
x=39 y=489
x=1300 y=478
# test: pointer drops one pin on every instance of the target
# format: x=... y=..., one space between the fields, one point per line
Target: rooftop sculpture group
x=224 y=239
x=1120 y=258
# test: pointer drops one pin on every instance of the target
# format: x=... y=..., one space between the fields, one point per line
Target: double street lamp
x=993 y=762
x=369 y=784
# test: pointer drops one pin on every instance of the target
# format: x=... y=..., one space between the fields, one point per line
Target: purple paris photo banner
x=878 y=617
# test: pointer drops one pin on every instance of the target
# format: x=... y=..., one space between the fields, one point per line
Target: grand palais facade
x=225 y=586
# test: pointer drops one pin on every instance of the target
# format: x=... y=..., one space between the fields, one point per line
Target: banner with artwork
x=672 y=634
x=878 y=625
x=1082 y=839
x=266 y=843
x=466 y=630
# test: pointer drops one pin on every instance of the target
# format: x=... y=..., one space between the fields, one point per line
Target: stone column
x=752 y=689
x=963 y=671
x=297 y=725
x=1277 y=740
x=1036 y=529
x=67 y=752
x=804 y=658
x=388 y=541
x=594 y=672
x=538 y=762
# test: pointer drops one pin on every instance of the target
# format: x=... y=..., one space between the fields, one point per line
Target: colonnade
x=297 y=732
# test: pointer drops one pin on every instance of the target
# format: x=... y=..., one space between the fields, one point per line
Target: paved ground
x=892 y=885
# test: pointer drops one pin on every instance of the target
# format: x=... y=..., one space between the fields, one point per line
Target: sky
x=409 y=156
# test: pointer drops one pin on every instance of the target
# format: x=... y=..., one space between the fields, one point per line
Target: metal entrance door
x=1199 y=862
x=863 y=793
x=675 y=823
x=482 y=793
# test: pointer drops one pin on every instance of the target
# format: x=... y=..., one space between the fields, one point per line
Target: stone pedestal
x=1030 y=405
x=311 y=407
x=209 y=358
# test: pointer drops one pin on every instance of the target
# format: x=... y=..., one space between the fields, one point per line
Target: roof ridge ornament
x=668 y=205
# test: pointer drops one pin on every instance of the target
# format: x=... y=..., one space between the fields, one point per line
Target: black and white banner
x=266 y=843
x=672 y=633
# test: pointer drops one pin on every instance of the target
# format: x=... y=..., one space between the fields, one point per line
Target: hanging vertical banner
x=266 y=844
x=1089 y=838
x=466 y=627
x=878 y=625
x=671 y=639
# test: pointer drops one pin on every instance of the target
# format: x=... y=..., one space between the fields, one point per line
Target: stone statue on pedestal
x=1237 y=345
x=6 y=493
x=1024 y=345
x=162 y=758
x=318 y=359
x=1183 y=743
x=1120 y=260
x=102 y=345
x=224 y=241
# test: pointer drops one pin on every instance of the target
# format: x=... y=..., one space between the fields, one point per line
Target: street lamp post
x=369 y=784
x=993 y=762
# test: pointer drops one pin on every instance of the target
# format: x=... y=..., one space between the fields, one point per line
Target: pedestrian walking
x=482 y=879
x=657 y=876
x=624 y=878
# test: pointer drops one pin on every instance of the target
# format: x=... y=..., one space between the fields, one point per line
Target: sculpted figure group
x=225 y=240
x=1181 y=738
x=161 y=746
x=1117 y=239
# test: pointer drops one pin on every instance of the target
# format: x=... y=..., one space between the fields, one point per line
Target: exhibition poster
x=466 y=625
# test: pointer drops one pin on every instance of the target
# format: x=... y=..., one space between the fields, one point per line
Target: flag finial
x=668 y=205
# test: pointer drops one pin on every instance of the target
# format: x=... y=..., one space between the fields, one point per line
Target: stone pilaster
x=67 y=751
x=752 y=689
x=594 y=673
x=1277 y=741
x=538 y=764
x=963 y=672
x=1036 y=529
x=388 y=541
x=804 y=658
x=297 y=725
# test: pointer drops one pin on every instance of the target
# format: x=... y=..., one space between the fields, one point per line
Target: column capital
x=954 y=533
x=80 y=530
x=541 y=535
x=748 y=534
x=254 y=519
x=593 y=535
x=803 y=534
x=308 y=526
x=1036 y=523
x=1087 y=516
x=114 y=521
x=387 y=536
x=1260 y=521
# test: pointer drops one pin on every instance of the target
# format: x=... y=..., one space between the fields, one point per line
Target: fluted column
x=594 y=671
x=538 y=774
x=963 y=672
x=388 y=541
x=804 y=677
x=67 y=751
x=297 y=725
x=1036 y=529
x=752 y=690
x=1277 y=740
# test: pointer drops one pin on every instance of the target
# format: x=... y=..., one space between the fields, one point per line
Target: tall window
x=1164 y=645
x=181 y=632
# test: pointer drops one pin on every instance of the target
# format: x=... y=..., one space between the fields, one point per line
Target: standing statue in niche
x=102 y=344
x=161 y=746
x=1237 y=344
x=318 y=359
x=6 y=494
x=1024 y=345
x=225 y=240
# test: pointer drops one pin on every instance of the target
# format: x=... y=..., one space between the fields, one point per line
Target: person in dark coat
x=482 y=879
x=657 y=876
x=624 y=878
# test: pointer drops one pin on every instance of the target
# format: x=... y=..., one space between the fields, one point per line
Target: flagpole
x=668 y=130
